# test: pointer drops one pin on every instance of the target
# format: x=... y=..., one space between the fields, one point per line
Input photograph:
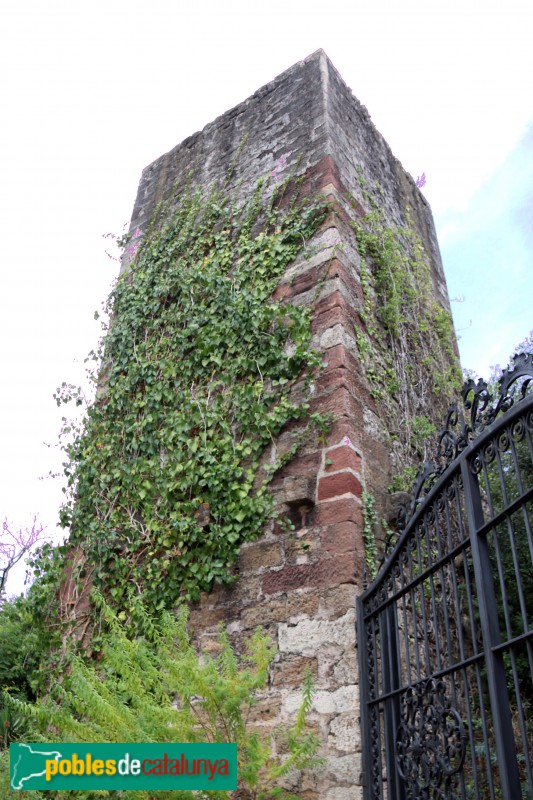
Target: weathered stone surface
x=292 y=671
x=339 y=357
x=330 y=655
x=302 y=548
x=337 y=510
x=334 y=379
x=259 y=556
x=341 y=538
x=328 y=318
x=288 y=608
x=345 y=733
x=343 y=769
x=305 y=466
x=201 y=619
x=266 y=710
x=309 y=635
x=345 y=426
x=297 y=488
x=345 y=482
x=334 y=336
x=343 y=456
x=328 y=572
x=346 y=669
x=336 y=602
x=345 y=793
x=335 y=702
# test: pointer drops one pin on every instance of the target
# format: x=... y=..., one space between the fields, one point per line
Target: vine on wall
x=406 y=340
x=198 y=366
x=370 y=522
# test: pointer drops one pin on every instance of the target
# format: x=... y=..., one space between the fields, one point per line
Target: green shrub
x=161 y=688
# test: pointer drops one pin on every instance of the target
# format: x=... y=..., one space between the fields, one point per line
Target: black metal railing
x=445 y=632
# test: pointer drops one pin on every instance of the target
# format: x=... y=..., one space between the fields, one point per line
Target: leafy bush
x=160 y=688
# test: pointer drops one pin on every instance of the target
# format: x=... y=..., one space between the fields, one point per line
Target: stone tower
x=376 y=382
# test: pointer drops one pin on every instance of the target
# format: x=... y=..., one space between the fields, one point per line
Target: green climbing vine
x=198 y=365
x=370 y=523
x=406 y=339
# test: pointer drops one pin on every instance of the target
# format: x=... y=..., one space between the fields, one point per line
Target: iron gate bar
x=450 y=560
x=498 y=692
x=515 y=412
x=509 y=511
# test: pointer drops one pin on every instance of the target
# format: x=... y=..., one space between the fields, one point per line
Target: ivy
x=370 y=522
x=406 y=338
x=198 y=366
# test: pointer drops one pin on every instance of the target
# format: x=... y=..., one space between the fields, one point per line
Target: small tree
x=14 y=545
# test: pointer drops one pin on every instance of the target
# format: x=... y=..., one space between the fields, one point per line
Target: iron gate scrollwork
x=431 y=738
x=445 y=631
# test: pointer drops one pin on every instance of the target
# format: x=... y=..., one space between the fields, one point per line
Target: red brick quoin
x=340 y=483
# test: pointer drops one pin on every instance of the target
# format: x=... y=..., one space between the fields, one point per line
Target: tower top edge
x=318 y=57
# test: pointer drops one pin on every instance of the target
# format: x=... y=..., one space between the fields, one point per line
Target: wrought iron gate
x=445 y=632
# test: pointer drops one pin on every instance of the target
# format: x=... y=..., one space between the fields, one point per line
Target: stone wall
x=301 y=584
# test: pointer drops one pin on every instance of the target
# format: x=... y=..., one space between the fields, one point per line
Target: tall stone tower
x=373 y=279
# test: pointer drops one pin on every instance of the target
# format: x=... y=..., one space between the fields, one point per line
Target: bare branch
x=15 y=544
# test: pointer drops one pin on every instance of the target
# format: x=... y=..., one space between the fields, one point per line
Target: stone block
x=308 y=635
x=341 y=509
x=330 y=655
x=265 y=710
x=334 y=300
x=245 y=592
x=339 y=403
x=327 y=572
x=337 y=315
x=301 y=282
x=292 y=671
x=301 y=548
x=337 y=601
x=333 y=379
x=303 y=466
x=339 y=357
x=297 y=488
x=345 y=793
x=258 y=556
x=343 y=456
x=335 y=702
x=324 y=173
x=343 y=769
x=335 y=335
x=346 y=670
x=341 y=538
x=205 y=619
x=348 y=276
x=288 y=608
x=340 y=483
x=344 y=733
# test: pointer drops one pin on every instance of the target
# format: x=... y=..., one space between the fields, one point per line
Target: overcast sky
x=94 y=91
